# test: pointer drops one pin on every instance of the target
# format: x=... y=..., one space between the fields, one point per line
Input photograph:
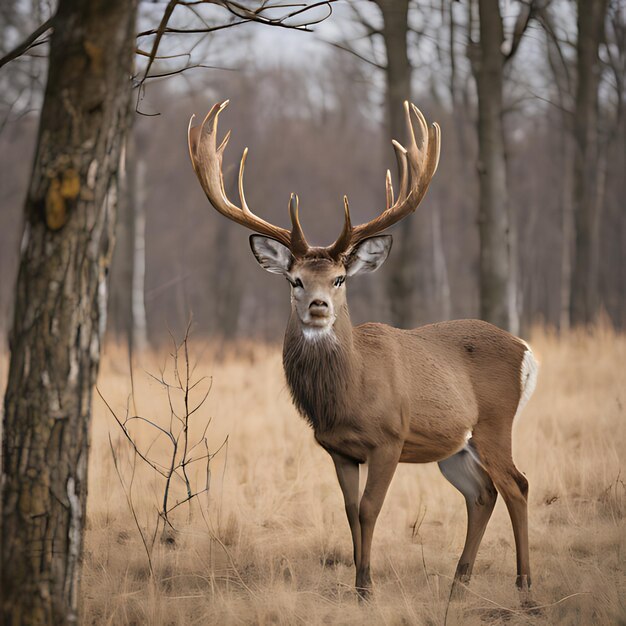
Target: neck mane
x=320 y=370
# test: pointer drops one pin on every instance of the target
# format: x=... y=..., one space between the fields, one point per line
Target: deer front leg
x=382 y=466
x=348 y=475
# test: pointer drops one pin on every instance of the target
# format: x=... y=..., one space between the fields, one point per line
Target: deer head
x=317 y=275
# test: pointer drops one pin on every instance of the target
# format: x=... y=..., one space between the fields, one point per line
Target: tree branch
x=359 y=56
x=167 y=14
x=28 y=43
x=521 y=24
x=545 y=20
x=242 y=15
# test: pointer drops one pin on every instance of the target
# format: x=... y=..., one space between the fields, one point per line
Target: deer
x=375 y=395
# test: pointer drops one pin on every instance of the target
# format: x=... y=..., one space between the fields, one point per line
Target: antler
x=206 y=158
x=416 y=165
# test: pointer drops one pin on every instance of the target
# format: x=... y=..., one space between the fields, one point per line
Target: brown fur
x=379 y=395
x=426 y=387
x=318 y=374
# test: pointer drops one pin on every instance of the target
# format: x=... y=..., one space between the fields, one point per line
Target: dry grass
x=271 y=543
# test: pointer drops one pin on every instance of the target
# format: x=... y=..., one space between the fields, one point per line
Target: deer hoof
x=364 y=584
x=364 y=593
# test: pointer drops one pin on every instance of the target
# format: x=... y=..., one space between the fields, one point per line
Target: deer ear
x=271 y=255
x=368 y=255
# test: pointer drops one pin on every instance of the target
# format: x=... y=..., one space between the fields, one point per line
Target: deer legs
x=464 y=471
x=477 y=471
x=382 y=466
x=362 y=515
x=348 y=476
x=512 y=486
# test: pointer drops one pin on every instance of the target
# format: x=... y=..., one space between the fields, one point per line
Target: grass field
x=269 y=543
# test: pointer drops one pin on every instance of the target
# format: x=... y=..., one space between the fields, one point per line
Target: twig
x=521 y=24
x=146 y=459
x=28 y=43
x=129 y=500
x=358 y=55
x=242 y=15
x=180 y=455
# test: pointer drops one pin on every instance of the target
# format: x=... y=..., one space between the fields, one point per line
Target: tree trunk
x=583 y=295
x=398 y=89
x=119 y=305
x=398 y=72
x=60 y=309
x=566 y=233
x=139 y=334
x=126 y=307
x=497 y=286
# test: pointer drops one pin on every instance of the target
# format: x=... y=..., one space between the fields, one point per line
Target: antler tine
x=343 y=241
x=299 y=245
x=434 y=144
x=417 y=164
x=423 y=126
x=206 y=158
x=242 y=167
x=403 y=171
x=389 y=190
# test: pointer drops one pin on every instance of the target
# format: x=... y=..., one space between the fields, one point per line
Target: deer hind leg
x=466 y=473
x=495 y=455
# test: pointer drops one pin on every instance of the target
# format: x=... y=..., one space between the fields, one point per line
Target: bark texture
x=398 y=71
x=401 y=286
x=497 y=288
x=60 y=309
x=583 y=293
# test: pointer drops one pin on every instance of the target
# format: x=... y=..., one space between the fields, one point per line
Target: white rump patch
x=528 y=378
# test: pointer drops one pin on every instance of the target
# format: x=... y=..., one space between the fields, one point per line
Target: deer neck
x=321 y=371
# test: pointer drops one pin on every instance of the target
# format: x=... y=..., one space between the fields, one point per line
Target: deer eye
x=340 y=280
x=295 y=283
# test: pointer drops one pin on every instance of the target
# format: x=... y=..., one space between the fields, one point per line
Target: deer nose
x=319 y=308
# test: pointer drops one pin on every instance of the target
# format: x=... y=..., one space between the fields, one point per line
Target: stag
x=375 y=395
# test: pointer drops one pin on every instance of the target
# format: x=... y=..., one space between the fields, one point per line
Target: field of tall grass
x=268 y=543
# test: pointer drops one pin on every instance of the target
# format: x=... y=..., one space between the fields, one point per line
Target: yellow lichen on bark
x=70 y=185
x=55 y=205
x=95 y=54
x=63 y=188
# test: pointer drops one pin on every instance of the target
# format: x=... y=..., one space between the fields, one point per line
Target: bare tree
x=488 y=56
x=60 y=309
x=394 y=14
x=561 y=74
x=583 y=293
x=61 y=297
x=395 y=29
x=127 y=313
x=184 y=395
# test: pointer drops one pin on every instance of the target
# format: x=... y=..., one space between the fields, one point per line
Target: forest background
x=312 y=109
x=118 y=250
